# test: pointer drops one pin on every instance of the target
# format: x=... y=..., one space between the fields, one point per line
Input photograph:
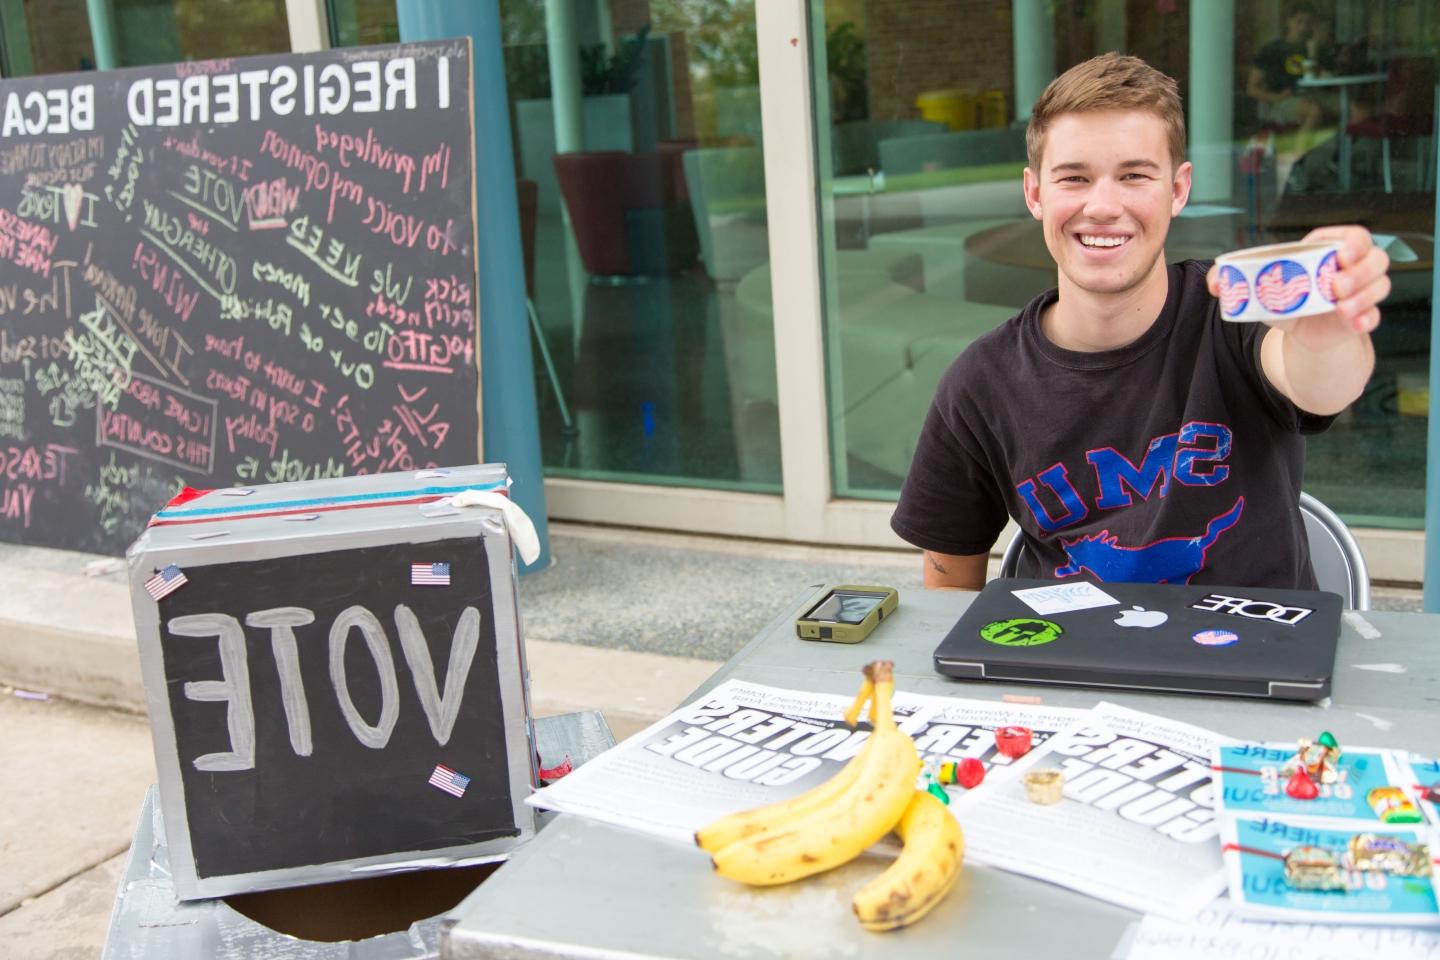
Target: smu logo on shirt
x=1194 y=455
x=1169 y=560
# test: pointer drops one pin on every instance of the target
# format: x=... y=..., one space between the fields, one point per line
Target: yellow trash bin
x=955 y=108
x=992 y=109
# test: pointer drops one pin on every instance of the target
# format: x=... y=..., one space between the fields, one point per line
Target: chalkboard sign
x=232 y=271
x=334 y=678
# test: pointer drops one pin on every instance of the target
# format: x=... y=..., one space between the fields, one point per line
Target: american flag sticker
x=1282 y=286
x=166 y=582
x=1234 y=291
x=1325 y=275
x=430 y=574
x=448 y=780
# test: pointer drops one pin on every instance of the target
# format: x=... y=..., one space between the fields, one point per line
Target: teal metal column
x=102 y=33
x=1212 y=95
x=1432 y=446
x=1033 y=30
x=507 y=373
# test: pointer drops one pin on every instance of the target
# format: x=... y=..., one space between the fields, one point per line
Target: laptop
x=1238 y=641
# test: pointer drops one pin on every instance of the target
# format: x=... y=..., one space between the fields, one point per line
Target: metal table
x=1343 y=84
x=588 y=890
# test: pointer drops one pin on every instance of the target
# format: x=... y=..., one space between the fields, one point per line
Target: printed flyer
x=1300 y=869
x=1253 y=777
x=1219 y=932
x=1316 y=832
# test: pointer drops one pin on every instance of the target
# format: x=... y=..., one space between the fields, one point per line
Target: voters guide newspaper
x=1135 y=827
x=742 y=745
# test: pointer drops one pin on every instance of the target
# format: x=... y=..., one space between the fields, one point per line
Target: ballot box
x=335 y=678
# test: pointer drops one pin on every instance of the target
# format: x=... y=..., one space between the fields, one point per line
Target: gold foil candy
x=1045 y=786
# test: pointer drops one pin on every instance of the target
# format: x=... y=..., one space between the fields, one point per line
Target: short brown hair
x=1112 y=81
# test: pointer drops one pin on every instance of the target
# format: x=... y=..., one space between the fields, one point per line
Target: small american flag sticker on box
x=430 y=574
x=448 y=780
x=166 y=582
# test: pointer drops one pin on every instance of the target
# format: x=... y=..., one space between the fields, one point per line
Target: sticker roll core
x=1278 y=281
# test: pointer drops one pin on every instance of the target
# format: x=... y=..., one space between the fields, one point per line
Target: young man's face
x=1106 y=192
x=1300 y=26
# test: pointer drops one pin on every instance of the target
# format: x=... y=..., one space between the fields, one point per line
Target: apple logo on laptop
x=1140 y=617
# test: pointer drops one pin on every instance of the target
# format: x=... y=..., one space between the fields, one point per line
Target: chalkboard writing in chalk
x=232 y=271
x=314 y=696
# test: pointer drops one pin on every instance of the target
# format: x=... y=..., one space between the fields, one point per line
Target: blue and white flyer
x=1315 y=833
x=1252 y=778
x=1328 y=871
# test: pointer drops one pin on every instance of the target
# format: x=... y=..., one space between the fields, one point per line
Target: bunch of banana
x=923 y=873
x=834 y=822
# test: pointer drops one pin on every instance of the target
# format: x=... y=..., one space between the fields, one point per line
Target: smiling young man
x=1131 y=432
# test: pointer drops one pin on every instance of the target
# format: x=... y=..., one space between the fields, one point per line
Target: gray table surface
x=589 y=890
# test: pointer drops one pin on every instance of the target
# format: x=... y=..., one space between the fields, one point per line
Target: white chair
x=1339 y=565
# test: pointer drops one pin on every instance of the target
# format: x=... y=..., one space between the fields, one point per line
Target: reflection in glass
x=642 y=206
x=355 y=23
x=1324 y=114
x=53 y=36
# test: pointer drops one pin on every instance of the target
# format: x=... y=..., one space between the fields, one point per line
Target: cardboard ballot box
x=335 y=679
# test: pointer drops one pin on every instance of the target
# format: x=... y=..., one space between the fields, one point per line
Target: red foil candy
x=1301 y=787
x=1014 y=742
x=969 y=772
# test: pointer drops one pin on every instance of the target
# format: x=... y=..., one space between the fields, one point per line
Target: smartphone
x=847 y=614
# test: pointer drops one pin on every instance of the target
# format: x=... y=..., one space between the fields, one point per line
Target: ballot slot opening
x=359 y=909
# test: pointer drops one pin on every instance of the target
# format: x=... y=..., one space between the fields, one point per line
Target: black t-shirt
x=1282 y=63
x=1171 y=459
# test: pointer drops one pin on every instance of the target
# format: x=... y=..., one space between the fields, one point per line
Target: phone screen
x=846 y=607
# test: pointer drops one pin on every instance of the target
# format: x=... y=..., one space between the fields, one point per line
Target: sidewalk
x=624 y=622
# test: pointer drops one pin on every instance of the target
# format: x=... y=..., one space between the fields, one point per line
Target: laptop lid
x=1241 y=641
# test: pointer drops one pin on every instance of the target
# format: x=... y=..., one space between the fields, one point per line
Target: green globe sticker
x=1020 y=632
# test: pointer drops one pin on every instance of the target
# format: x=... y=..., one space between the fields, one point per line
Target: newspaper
x=1135 y=826
x=743 y=745
x=1219 y=931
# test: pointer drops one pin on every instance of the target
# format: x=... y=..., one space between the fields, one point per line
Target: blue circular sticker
x=1215 y=638
x=1325 y=276
x=1234 y=291
x=1282 y=286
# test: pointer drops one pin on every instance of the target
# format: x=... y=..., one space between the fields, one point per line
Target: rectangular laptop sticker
x=1064 y=597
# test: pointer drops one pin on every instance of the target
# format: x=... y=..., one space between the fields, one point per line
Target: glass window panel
x=359 y=22
x=926 y=242
x=53 y=36
x=643 y=217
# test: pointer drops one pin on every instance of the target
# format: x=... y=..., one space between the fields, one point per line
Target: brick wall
x=917 y=45
x=59 y=35
x=628 y=16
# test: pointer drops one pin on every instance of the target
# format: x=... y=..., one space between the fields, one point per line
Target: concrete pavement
x=625 y=622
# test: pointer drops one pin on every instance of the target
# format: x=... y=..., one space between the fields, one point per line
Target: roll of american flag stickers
x=1278 y=281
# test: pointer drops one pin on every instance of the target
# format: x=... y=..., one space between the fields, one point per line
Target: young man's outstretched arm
x=948 y=571
x=1322 y=362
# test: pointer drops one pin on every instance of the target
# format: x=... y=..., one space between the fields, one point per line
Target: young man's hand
x=1322 y=362
x=1362 y=281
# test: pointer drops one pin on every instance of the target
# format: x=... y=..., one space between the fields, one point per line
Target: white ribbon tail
x=522 y=531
